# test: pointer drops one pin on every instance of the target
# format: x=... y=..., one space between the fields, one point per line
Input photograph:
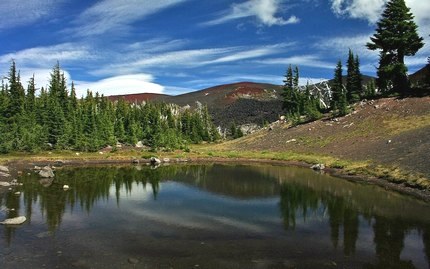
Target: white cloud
x=17 y=13
x=127 y=84
x=371 y=9
x=264 y=10
x=47 y=56
x=116 y=15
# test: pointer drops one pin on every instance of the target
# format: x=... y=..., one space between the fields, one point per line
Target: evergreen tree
x=353 y=78
x=339 y=103
x=337 y=87
x=396 y=37
x=16 y=92
x=290 y=94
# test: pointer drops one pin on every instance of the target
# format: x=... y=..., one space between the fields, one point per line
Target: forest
x=57 y=119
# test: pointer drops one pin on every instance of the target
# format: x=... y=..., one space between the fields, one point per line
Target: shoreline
x=18 y=166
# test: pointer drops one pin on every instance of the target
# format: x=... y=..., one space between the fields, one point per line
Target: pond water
x=210 y=216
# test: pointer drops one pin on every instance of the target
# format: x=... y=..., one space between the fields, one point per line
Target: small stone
x=17 y=193
x=135 y=161
x=389 y=141
x=77 y=154
x=66 y=187
x=166 y=160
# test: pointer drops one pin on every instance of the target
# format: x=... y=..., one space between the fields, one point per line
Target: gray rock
x=46 y=172
x=135 y=161
x=3 y=174
x=166 y=160
x=14 y=221
x=4 y=169
x=155 y=160
x=318 y=166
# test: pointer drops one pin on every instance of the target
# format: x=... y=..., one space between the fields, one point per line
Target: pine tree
x=16 y=92
x=396 y=37
x=290 y=94
x=353 y=78
x=337 y=87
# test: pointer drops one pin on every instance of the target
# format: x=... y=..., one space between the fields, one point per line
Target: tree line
x=57 y=119
x=396 y=37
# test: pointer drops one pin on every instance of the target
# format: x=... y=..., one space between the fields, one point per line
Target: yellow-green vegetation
x=398 y=124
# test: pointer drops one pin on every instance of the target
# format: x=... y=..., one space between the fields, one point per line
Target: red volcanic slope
x=137 y=97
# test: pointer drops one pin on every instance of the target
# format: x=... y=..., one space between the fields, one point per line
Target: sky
x=178 y=46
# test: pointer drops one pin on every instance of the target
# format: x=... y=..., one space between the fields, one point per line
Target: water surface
x=210 y=216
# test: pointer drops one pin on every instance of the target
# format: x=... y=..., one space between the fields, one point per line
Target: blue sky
x=177 y=46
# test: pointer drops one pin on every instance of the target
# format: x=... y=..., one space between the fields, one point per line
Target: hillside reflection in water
x=213 y=216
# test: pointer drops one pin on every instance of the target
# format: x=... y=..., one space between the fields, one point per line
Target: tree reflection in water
x=344 y=205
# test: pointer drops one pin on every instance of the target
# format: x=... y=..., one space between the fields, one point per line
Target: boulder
x=318 y=166
x=46 y=172
x=14 y=221
x=154 y=160
x=4 y=169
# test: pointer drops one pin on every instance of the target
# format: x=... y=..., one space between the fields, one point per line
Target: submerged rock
x=46 y=172
x=14 y=221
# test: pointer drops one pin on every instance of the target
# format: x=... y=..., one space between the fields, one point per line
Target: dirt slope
x=387 y=131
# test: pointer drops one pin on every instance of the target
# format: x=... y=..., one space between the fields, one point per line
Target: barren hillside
x=388 y=131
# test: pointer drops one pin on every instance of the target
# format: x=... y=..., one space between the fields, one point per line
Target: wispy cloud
x=300 y=60
x=47 y=56
x=266 y=12
x=116 y=15
x=18 y=13
x=339 y=46
x=190 y=58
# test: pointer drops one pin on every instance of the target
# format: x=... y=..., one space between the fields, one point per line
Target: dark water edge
x=210 y=216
